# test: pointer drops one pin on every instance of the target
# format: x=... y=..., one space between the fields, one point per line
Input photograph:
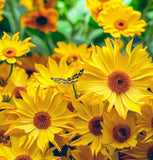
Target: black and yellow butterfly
x=69 y=80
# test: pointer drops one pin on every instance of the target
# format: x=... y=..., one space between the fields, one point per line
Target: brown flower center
x=42 y=120
x=41 y=20
x=70 y=107
x=9 y=52
x=121 y=132
x=23 y=157
x=121 y=24
x=72 y=58
x=150 y=152
x=16 y=92
x=4 y=139
x=95 y=126
x=119 y=82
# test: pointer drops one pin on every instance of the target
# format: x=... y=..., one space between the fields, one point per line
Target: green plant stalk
x=75 y=91
x=11 y=69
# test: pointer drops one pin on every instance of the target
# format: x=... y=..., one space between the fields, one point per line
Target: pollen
x=9 y=52
x=121 y=132
x=150 y=152
x=42 y=120
x=119 y=82
x=95 y=126
x=121 y=24
x=23 y=157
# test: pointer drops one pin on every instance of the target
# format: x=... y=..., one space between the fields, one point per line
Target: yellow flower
x=119 y=132
x=10 y=49
x=121 y=20
x=71 y=51
x=88 y=125
x=42 y=19
x=2 y=3
x=17 y=82
x=28 y=62
x=41 y=117
x=96 y=6
x=16 y=152
x=122 y=80
x=145 y=121
x=143 y=151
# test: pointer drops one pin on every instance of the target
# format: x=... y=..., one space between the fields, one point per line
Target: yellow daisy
x=41 y=117
x=96 y=6
x=122 y=80
x=121 y=20
x=145 y=121
x=88 y=125
x=71 y=51
x=10 y=49
x=143 y=151
x=16 y=152
x=28 y=62
x=17 y=82
x=119 y=132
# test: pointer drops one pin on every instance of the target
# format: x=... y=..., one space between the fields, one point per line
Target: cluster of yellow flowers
x=96 y=102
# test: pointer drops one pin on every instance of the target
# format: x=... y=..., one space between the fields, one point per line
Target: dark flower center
x=23 y=157
x=121 y=132
x=150 y=152
x=95 y=126
x=119 y=82
x=41 y=21
x=121 y=24
x=42 y=120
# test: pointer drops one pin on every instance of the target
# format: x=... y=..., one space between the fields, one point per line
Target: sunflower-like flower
x=40 y=117
x=123 y=80
x=28 y=62
x=96 y=6
x=16 y=152
x=119 y=132
x=71 y=51
x=143 y=151
x=17 y=82
x=10 y=49
x=42 y=19
x=121 y=20
x=145 y=121
x=88 y=126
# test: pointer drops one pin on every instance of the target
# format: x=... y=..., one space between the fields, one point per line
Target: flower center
x=23 y=157
x=42 y=120
x=121 y=24
x=150 y=152
x=45 y=1
x=16 y=92
x=41 y=21
x=95 y=126
x=70 y=107
x=119 y=82
x=4 y=139
x=9 y=52
x=71 y=59
x=121 y=132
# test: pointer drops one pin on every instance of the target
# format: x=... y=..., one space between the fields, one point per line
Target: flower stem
x=11 y=69
x=74 y=91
